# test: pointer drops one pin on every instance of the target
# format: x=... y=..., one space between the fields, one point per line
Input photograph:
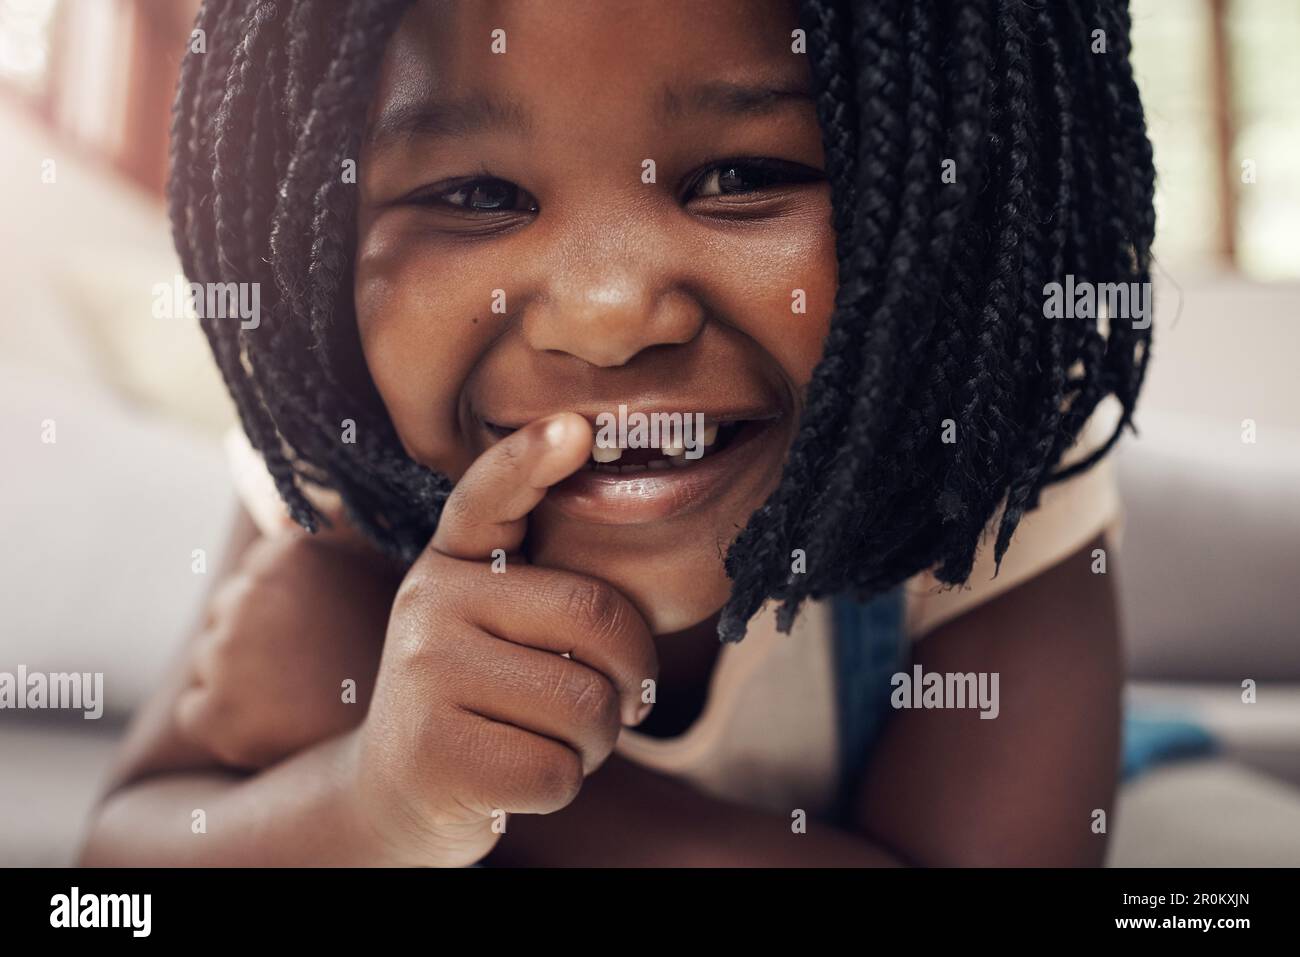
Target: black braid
x=938 y=314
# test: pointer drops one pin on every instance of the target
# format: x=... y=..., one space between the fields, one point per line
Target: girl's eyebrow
x=463 y=116
x=730 y=98
x=480 y=112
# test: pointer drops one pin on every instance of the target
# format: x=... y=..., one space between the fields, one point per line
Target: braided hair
x=938 y=314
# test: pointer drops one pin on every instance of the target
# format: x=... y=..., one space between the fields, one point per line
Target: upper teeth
x=604 y=455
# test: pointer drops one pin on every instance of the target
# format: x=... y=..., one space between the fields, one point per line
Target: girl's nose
x=607 y=317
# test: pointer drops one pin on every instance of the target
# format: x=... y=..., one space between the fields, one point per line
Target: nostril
x=608 y=324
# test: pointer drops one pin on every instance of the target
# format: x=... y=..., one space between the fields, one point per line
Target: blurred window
x=1264 y=44
x=25 y=44
x=1222 y=94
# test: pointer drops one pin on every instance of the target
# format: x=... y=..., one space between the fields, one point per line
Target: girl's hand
x=300 y=617
x=498 y=691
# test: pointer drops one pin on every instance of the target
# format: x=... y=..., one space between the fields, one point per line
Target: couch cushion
x=1211 y=813
x=1209 y=563
x=101 y=526
x=54 y=771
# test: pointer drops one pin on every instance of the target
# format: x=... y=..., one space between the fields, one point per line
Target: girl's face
x=577 y=206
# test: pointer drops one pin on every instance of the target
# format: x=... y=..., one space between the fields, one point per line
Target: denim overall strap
x=870 y=648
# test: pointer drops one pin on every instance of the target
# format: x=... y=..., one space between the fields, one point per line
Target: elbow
x=97 y=847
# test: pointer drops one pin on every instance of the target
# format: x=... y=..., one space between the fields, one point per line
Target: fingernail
x=556 y=429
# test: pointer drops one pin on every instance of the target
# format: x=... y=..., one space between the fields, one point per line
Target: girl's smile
x=636 y=486
x=672 y=489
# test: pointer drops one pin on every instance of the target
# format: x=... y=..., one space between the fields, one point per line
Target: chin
x=674 y=587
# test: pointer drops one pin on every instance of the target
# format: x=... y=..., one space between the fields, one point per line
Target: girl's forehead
x=575 y=48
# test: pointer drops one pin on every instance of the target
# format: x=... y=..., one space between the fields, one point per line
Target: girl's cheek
x=422 y=329
x=810 y=271
x=784 y=295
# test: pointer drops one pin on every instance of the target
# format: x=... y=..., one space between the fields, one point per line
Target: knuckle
x=223 y=645
x=206 y=718
x=231 y=595
x=202 y=661
x=229 y=749
x=452 y=739
x=589 y=602
x=214 y=715
x=458 y=510
x=435 y=583
x=511 y=454
x=191 y=712
x=469 y=764
x=239 y=751
x=589 y=696
x=420 y=594
x=412 y=593
x=424 y=620
x=220 y=662
x=554 y=777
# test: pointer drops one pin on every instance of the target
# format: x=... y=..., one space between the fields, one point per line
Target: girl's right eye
x=485 y=195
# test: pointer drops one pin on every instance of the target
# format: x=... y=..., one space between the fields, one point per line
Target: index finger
x=489 y=506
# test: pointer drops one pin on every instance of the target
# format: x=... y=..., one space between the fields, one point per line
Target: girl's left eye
x=738 y=177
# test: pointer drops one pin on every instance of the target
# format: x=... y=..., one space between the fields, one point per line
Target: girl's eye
x=738 y=177
x=483 y=196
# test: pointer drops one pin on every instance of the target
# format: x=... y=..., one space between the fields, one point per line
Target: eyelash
x=440 y=197
x=770 y=173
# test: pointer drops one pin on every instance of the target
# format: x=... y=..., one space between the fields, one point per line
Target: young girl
x=824 y=227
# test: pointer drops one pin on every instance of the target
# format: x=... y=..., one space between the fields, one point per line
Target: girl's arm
x=628 y=816
x=298 y=813
x=162 y=776
x=944 y=788
x=948 y=788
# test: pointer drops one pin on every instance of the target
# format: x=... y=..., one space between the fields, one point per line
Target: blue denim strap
x=870 y=648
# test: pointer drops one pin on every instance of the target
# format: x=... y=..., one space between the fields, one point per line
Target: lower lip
x=657 y=494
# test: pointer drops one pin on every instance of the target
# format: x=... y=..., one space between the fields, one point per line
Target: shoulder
x=1069 y=516
x=257 y=492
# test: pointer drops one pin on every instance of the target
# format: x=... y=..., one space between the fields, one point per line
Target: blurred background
x=102 y=524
